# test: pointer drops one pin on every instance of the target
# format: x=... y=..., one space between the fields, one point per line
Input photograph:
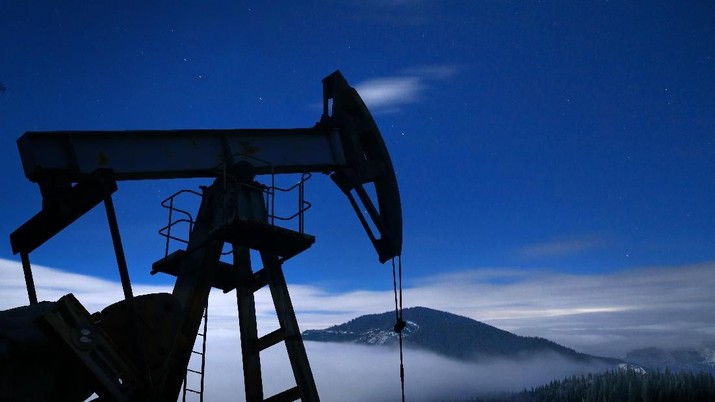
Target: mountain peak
x=444 y=333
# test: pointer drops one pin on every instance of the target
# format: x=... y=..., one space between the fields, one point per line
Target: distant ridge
x=679 y=360
x=446 y=334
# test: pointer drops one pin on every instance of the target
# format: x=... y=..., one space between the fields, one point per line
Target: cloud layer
x=605 y=314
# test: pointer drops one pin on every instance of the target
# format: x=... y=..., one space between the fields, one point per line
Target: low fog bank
x=360 y=373
x=348 y=372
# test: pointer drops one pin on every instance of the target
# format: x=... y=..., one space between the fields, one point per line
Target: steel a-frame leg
x=289 y=324
x=248 y=325
x=288 y=331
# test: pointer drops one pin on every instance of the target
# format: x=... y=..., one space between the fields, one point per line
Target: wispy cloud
x=390 y=94
x=381 y=93
x=607 y=314
x=559 y=248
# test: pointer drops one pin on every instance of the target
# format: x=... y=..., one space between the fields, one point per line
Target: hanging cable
x=399 y=322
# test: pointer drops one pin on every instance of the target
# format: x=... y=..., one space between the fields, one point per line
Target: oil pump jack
x=138 y=349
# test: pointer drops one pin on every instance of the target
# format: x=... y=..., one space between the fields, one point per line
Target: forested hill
x=621 y=385
x=447 y=334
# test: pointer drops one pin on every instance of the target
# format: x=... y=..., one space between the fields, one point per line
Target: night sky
x=542 y=138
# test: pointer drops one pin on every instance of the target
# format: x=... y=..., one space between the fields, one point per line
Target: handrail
x=303 y=178
x=303 y=205
x=269 y=192
x=166 y=230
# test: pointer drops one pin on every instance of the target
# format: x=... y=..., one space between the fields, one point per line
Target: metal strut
x=29 y=281
x=133 y=317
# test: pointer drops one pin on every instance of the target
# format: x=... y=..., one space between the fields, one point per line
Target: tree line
x=620 y=385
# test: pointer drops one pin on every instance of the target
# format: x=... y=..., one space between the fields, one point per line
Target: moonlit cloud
x=606 y=314
x=392 y=91
x=51 y=284
x=389 y=94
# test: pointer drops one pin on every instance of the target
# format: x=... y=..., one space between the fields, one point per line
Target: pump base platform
x=274 y=240
x=264 y=237
x=226 y=278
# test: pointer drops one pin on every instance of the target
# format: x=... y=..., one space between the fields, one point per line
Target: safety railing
x=185 y=218
x=270 y=191
x=303 y=205
x=181 y=221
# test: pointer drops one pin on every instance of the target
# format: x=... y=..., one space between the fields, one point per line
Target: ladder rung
x=270 y=339
x=197 y=352
x=194 y=391
x=199 y=334
x=194 y=371
x=287 y=395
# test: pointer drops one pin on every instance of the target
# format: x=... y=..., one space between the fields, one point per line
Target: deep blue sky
x=569 y=136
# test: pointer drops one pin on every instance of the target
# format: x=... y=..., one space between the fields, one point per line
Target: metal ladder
x=202 y=355
x=249 y=282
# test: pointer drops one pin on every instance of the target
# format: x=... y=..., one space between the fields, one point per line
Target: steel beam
x=170 y=154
